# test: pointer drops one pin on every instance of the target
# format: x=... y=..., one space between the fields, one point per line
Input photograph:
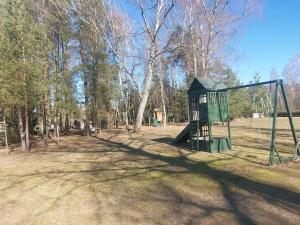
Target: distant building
x=257 y=115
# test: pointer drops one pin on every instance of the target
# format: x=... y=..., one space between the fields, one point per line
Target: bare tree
x=115 y=29
x=123 y=39
x=291 y=74
x=208 y=27
x=159 y=17
x=153 y=17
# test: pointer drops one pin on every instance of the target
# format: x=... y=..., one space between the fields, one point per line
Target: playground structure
x=208 y=104
x=155 y=117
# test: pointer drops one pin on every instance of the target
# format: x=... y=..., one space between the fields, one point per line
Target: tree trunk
x=56 y=94
x=47 y=119
x=21 y=130
x=161 y=82
x=145 y=95
x=125 y=100
x=149 y=73
x=24 y=136
x=27 y=138
x=194 y=54
x=5 y=132
x=126 y=115
x=41 y=122
x=87 y=114
x=61 y=124
x=46 y=127
x=85 y=84
x=100 y=125
x=67 y=122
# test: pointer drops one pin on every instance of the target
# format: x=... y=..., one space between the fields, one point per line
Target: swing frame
x=278 y=84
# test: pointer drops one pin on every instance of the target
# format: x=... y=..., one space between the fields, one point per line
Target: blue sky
x=265 y=42
x=270 y=41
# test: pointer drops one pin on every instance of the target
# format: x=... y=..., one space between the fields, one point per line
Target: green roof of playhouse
x=208 y=84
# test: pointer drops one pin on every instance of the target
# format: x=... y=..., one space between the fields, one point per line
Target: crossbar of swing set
x=278 y=82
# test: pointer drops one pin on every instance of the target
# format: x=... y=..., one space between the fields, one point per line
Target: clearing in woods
x=144 y=179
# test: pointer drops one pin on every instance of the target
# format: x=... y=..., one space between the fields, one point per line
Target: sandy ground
x=144 y=179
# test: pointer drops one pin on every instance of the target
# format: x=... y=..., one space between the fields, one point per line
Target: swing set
x=208 y=104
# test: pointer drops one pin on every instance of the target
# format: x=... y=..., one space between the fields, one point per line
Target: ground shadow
x=231 y=184
x=227 y=180
x=170 y=141
x=185 y=146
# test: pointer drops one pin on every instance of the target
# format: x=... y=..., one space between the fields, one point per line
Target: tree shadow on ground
x=262 y=129
x=232 y=186
x=228 y=182
x=170 y=141
x=233 y=154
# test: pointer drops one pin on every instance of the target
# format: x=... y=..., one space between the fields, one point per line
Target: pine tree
x=21 y=44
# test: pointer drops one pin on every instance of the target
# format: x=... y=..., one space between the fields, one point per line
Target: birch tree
x=291 y=74
x=208 y=26
x=153 y=20
x=152 y=26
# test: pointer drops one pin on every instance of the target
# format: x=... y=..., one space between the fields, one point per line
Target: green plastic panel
x=217 y=107
x=213 y=146
x=203 y=113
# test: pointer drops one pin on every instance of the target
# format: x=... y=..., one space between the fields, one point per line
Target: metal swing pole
x=297 y=148
x=248 y=85
x=252 y=105
x=273 y=138
x=228 y=123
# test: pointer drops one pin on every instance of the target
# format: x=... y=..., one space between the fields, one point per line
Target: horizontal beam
x=252 y=85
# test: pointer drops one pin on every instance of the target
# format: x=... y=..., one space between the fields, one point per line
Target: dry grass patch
x=144 y=179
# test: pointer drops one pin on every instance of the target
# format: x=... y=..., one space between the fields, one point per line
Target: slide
x=183 y=136
x=155 y=122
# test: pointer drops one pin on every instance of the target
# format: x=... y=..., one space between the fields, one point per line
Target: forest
x=92 y=62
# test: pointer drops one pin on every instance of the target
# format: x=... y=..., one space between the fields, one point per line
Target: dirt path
x=143 y=179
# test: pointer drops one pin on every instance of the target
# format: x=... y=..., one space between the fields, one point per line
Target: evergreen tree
x=21 y=46
x=239 y=100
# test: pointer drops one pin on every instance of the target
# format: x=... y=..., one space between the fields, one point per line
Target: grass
x=144 y=179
